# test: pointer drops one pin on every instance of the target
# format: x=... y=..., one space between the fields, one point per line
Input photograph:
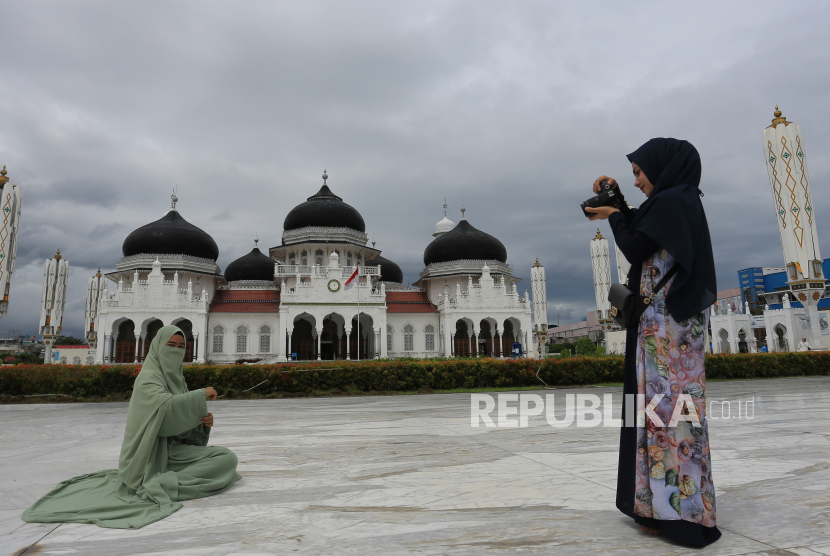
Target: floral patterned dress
x=674 y=471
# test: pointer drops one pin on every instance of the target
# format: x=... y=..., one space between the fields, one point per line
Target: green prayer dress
x=164 y=457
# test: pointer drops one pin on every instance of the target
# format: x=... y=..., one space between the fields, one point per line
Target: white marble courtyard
x=408 y=475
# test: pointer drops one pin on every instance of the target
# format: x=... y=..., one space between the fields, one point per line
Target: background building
x=300 y=301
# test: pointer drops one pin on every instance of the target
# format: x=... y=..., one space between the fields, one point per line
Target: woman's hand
x=210 y=393
x=207 y=420
x=611 y=181
x=601 y=213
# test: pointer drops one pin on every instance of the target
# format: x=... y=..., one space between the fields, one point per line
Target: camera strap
x=663 y=281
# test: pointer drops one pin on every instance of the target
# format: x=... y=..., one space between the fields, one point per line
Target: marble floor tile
x=409 y=475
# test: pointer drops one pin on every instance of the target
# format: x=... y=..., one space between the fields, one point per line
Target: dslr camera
x=610 y=196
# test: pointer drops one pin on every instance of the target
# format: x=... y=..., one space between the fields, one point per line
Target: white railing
x=324 y=271
x=413 y=354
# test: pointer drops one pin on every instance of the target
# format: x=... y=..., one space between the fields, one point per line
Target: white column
x=195 y=347
x=47 y=352
x=319 y=344
x=348 y=344
x=136 y=349
x=452 y=345
x=101 y=349
x=290 y=346
x=282 y=334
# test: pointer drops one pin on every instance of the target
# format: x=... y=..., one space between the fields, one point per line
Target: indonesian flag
x=352 y=279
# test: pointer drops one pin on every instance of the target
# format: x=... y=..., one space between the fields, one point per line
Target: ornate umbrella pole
x=11 y=202
x=52 y=302
x=792 y=199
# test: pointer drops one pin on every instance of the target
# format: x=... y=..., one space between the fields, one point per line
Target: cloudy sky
x=514 y=107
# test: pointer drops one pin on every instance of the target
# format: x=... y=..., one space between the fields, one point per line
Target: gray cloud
x=514 y=107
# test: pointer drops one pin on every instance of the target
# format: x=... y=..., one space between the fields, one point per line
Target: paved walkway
x=408 y=475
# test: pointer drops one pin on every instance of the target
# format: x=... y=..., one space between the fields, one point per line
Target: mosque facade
x=323 y=293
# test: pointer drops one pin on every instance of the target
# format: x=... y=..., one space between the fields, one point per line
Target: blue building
x=767 y=285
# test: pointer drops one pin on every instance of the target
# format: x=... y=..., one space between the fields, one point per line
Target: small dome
x=171 y=235
x=389 y=271
x=253 y=266
x=324 y=209
x=464 y=242
x=443 y=226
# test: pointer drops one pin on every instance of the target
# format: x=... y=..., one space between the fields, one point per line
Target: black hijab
x=673 y=217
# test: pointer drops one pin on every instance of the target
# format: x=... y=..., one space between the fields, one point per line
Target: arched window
x=292 y=259
x=408 y=338
x=429 y=338
x=389 y=331
x=218 y=339
x=241 y=339
x=76 y=360
x=318 y=257
x=89 y=360
x=265 y=339
x=348 y=262
x=304 y=257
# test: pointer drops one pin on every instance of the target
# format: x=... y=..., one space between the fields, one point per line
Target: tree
x=68 y=341
x=585 y=347
x=30 y=358
x=557 y=348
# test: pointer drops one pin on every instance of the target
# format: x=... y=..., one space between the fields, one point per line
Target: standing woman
x=164 y=457
x=664 y=476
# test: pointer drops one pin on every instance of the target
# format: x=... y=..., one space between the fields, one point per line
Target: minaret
x=794 y=212
x=96 y=292
x=623 y=266
x=601 y=262
x=538 y=286
x=11 y=201
x=53 y=299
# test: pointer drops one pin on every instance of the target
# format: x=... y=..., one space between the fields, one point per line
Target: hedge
x=116 y=381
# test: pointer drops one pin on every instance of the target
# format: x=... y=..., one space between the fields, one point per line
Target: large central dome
x=171 y=235
x=464 y=242
x=324 y=209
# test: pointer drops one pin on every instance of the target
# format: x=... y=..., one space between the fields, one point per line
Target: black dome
x=389 y=271
x=171 y=235
x=253 y=266
x=324 y=209
x=464 y=242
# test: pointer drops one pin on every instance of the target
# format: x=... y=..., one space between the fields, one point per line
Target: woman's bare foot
x=650 y=530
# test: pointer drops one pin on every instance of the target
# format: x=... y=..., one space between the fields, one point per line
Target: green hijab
x=160 y=379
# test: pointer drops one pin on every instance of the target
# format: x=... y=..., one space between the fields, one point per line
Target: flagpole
x=358 y=312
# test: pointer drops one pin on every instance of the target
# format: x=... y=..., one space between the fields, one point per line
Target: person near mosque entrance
x=803 y=345
x=164 y=459
x=664 y=477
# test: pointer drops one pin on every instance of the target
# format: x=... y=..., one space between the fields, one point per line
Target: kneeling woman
x=164 y=458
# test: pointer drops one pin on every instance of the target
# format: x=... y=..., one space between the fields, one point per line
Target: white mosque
x=294 y=302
